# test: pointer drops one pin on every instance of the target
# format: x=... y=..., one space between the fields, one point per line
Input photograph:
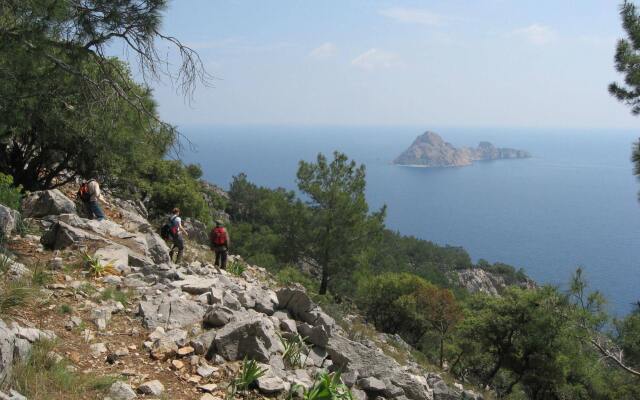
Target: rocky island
x=430 y=150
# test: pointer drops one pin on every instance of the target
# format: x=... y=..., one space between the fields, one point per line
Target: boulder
x=156 y=248
x=218 y=316
x=251 y=337
x=9 y=220
x=441 y=391
x=61 y=235
x=288 y=326
x=415 y=387
x=197 y=230
x=15 y=345
x=195 y=285
x=116 y=255
x=121 y=391
x=295 y=300
x=153 y=388
x=348 y=355
x=163 y=349
x=170 y=312
x=206 y=371
x=371 y=384
x=317 y=335
x=47 y=202
x=202 y=343
x=270 y=383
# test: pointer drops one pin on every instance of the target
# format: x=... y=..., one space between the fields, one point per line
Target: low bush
x=10 y=195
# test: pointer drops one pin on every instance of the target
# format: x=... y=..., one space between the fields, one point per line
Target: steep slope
x=180 y=330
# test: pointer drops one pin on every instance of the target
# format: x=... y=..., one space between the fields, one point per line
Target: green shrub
x=10 y=195
x=118 y=295
x=65 y=309
x=290 y=275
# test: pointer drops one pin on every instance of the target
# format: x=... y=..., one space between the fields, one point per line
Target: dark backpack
x=165 y=231
x=83 y=192
x=169 y=230
x=218 y=236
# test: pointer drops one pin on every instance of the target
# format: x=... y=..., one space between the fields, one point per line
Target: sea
x=573 y=204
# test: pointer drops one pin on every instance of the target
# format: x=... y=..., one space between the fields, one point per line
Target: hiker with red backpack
x=176 y=230
x=219 y=238
x=90 y=195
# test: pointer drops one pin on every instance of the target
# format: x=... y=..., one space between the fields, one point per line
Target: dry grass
x=40 y=377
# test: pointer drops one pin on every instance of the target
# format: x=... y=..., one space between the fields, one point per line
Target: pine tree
x=627 y=62
x=340 y=226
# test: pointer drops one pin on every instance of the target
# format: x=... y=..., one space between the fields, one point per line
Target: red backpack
x=218 y=236
x=83 y=192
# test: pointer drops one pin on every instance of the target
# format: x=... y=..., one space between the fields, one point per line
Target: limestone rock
x=317 y=335
x=171 y=312
x=9 y=219
x=371 y=384
x=251 y=337
x=163 y=349
x=153 y=388
x=202 y=343
x=206 y=371
x=47 y=202
x=441 y=391
x=218 y=316
x=121 y=391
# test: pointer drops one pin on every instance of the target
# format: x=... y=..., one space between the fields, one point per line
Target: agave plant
x=236 y=268
x=294 y=349
x=5 y=262
x=96 y=268
x=249 y=373
x=326 y=387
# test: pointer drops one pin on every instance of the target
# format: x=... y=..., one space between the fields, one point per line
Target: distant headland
x=430 y=150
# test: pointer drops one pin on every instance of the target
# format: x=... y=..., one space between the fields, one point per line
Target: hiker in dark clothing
x=219 y=238
x=177 y=230
x=91 y=195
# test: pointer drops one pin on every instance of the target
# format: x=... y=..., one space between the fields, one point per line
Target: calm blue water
x=573 y=204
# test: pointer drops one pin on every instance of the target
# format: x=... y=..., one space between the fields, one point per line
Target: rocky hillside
x=478 y=280
x=120 y=308
x=430 y=150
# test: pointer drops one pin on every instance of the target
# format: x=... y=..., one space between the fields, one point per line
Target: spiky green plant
x=96 y=268
x=5 y=262
x=249 y=373
x=236 y=267
x=295 y=348
x=325 y=387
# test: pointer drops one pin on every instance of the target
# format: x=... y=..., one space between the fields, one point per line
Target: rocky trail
x=171 y=331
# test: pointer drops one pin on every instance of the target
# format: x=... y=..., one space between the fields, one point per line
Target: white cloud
x=537 y=34
x=325 y=50
x=376 y=59
x=413 y=16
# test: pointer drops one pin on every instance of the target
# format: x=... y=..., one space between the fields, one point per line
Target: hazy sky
x=520 y=63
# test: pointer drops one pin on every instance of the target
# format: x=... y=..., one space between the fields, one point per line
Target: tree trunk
x=441 y=351
x=325 y=280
